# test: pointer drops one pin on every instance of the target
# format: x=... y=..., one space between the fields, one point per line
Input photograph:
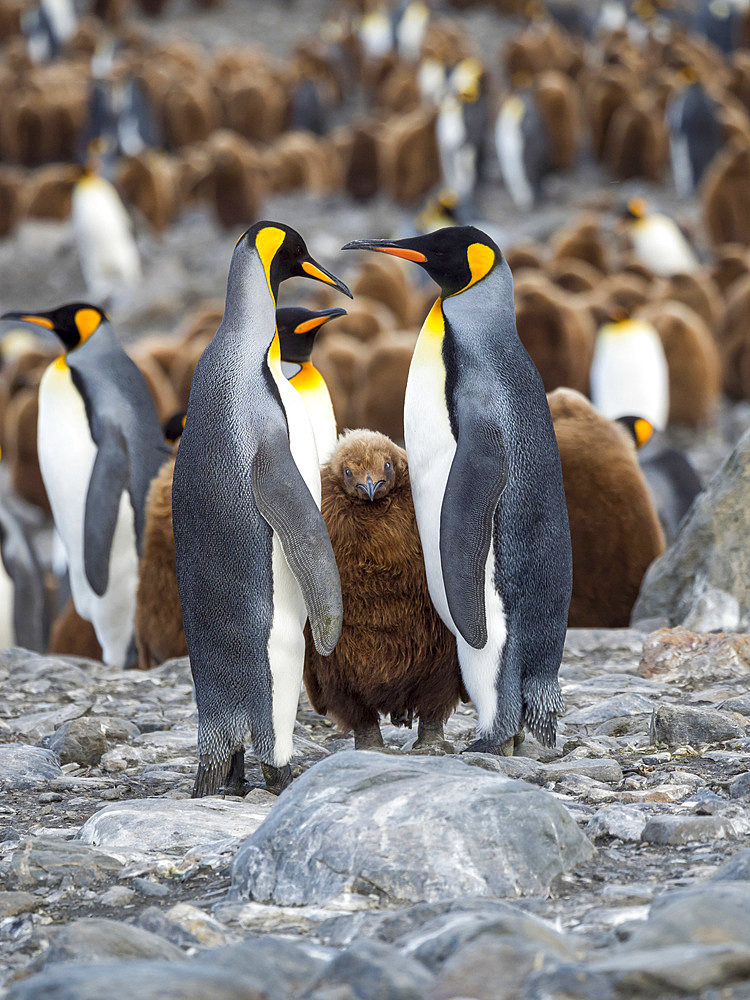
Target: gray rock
x=713 y=913
x=35 y=725
x=438 y=939
x=85 y=740
x=740 y=705
x=737 y=869
x=600 y=769
x=13 y=903
x=391 y=826
x=616 y=820
x=373 y=971
x=686 y=829
x=166 y=824
x=47 y=861
x=145 y=980
x=740 y=787
x=610 y=708
x=489 y=968
x=677 y=725
x=693 y=659
x=283 y=967
x=149 y=887
x=26 y=767
x=657 y=973
x=101 y=940
x=703 y=580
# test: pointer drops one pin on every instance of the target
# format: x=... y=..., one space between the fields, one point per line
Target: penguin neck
x=249 y=323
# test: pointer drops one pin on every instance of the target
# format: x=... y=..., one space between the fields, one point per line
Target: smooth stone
x=97 y=939
x=617 y=706
x=373 y=971
x=677 y=725
x=283 y=967
x=713 y=913
x=35 y=725
x=12 y=903
x=621 y=821
x=84 y=740
x=703 y=580
x=41 y=861
x=737 y=869
x=740 y=705
x=23 y=767
x=141 y=979
x=512 y=767
x=394 y=826
x=600 y=769
x=739 y=788
x=150 y=888
x=117 y=895
x=167 y=824
x=201 y=925
x=686 y=829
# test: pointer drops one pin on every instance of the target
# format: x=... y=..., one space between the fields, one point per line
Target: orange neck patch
x=87 y=321
x=481 y=259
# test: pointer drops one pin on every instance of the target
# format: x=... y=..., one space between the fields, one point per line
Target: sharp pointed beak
x=41 y=325
x=324 y=316
x=391 y=247
x=369 y=487
x=313 y=270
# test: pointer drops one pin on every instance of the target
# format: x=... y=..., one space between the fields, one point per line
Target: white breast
x=103 y=231
x=509 y=148
x=661 y=247
x=7 y=629
x=629 y=375
x=66 y=458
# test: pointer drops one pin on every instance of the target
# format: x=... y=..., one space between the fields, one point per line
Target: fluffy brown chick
x=394 y=655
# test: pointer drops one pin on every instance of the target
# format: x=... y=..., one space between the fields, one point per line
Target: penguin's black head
x=640 y=429
x=73 y=323
x=284 y=255
x=456 y=257
x=298 y=329
x=174 y=427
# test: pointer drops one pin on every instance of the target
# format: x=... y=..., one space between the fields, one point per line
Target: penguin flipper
x=475 y=483
x=287 y=505
x=109 y=477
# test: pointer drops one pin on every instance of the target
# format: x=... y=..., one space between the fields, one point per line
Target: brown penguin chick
x=692 y=360
x=11 y=198
x=20 y=434
x=181 y=374
x=72 y=635
x=160 y=387
x=394 y=655
x=614 y=528
x=151 y=183
x=384 y=280
x=636 y=143
x=525 y=256
x=556 y=332
x=338 y=357
x=574 y=275
x=408 y=155
x=377 y=400
x=699 y=291
x=734 y=340
x=732 y=262
x=49 y=191
x=725 y=194
x=559 y=102
x=358 y=149
x=159 y=633
x=583 y=240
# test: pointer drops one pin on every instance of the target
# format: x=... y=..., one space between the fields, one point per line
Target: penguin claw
x=276 y=778
x=505 y=749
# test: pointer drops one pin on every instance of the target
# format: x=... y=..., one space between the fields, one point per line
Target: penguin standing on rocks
x=298 y=329
x=254 y=559
x=100 y=445
x=487 y=487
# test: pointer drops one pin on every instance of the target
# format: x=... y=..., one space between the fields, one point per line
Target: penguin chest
x=430 y=448
x=66 y=457
x=7 y=628
x=509 y=143
x=660 y=245
x=309 y=383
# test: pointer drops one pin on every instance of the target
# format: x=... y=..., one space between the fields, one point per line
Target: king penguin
x=487 y=485
x=100 y=445
x=298 y=329
x=523 y=149
x=658 y=241
x=695 y=134
x=254 y=559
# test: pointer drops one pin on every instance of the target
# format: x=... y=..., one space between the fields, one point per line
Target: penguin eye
x=387 y=465
x=348 y=473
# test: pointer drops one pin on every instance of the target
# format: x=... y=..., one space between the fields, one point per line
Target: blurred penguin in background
x=461 y=128
x=695 y=134
x=629 y=372
x=47 y=28
x=522 y=147
x=658 y=241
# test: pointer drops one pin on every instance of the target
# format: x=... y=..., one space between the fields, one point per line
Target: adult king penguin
x=253 y=555
x=298 y=329
x=487 y=486
x=100 y=445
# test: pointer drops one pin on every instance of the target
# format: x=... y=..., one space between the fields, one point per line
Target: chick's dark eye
x=387 y=465
x=348 y=472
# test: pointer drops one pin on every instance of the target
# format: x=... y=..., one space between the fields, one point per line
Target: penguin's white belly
x=66 y=457
x=629 y=375
x=286 y=642
x=457 y=157
x=660 y=245
x=509 y=147
x=682 y=170
x=109 y=256
x=7 y=629
x=430 y=448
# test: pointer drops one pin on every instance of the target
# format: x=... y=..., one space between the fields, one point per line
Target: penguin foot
x=368 y=737
x=277 y=778
x=235 y=783
x=505 y=749
x=430 y=739
x=402 y=718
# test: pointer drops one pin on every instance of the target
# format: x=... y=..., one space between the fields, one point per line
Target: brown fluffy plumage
x=159 y=632
x=74 y=636
x=614 y=527
x=394 y=654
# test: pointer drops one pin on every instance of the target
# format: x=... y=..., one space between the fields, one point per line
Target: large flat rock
x=164 y=824
x=406 y=829
x=26 y=767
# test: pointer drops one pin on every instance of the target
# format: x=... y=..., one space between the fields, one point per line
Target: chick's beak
x=312 y=269
x=369 y=487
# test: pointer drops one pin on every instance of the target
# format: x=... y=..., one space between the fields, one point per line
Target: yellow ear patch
x=480 y=258
x=310 y=324
x=643 y=431
x=87 y=320
x=40 y=321
x=267 y=243
x=638 y=207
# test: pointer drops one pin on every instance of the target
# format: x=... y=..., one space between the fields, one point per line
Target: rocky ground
x=384 y=875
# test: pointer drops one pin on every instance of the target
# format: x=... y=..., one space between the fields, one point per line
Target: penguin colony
x=587 y=290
